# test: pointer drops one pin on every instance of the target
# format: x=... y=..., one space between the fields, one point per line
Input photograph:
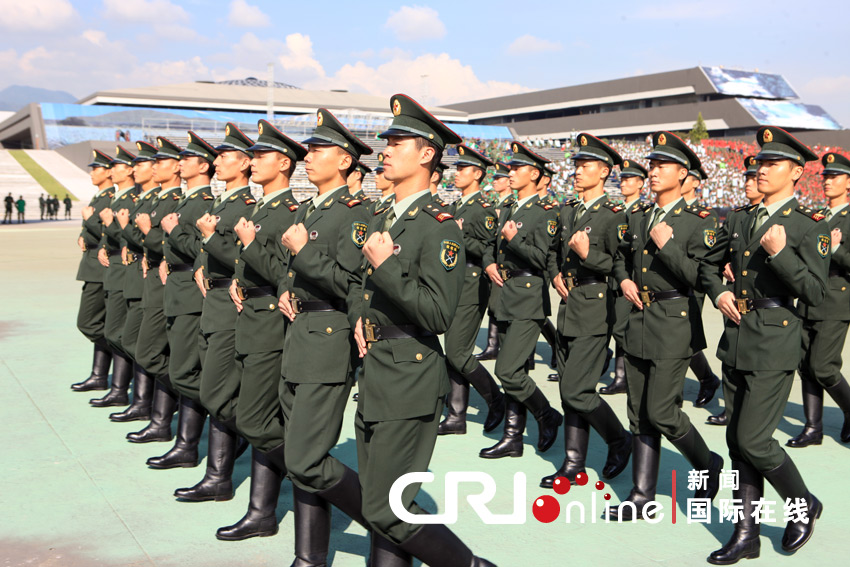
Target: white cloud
x=96 y=37
x=683 y=10
x=248 y=57
x=244 y=15
x=150 y=11
x=528 y=44
x=415 y=23
x=35 y=15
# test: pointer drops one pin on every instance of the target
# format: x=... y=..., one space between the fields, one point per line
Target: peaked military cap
x=146 y=152
x=167 y=149
x=751 y=164
x=271 y=139
x=330 y=132
x=667 y=146
x=523 y=156
x=363 y=169
x=100 y=159
x=380 y=166
x=411 y=119
x=502 y=170
x=631 y=168
x=591 y=147
x=200 y=148
x=835 y=164
x=235 y=140
x=776 y=143
x=698 y=172
x=468 y=156
x=441 y=167
x=549 y=172
x=122 y=156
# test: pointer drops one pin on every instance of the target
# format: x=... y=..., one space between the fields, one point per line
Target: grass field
x=47 y=181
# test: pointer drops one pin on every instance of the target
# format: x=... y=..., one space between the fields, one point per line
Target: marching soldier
x=217 y=343
x=260 y=328
x=549 y=332
x=632 y=177
x=152 y=352
x=779 y=251
x=184 y=301
x=436 y=182
x=708 y=381
x=409 y=294
x=477 y=220
x=825 y=326
x=355 y=182
x=126 y=192
x=518 y=264
x=384 y=185
x=656 y=267
x=591 y=229
x=91 y=316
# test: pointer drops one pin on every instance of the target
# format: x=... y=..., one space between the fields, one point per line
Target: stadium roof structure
x=732 y=102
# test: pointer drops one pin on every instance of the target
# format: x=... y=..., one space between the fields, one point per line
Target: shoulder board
x=250 y=200
x=484 y=203
x=642 y=206
x=744 y=208
x=207 y=197
x=814 y=215
x=698 y=210
x=441 y=203
x=571 y=203
x=611 y=205
x=353 y=202
x=437 y=213
x=546 y=205
x=176 y=196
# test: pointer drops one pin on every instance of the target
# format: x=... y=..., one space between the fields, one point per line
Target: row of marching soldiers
x=259 y=313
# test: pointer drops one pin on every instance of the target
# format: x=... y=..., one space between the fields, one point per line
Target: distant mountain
x=15 y=97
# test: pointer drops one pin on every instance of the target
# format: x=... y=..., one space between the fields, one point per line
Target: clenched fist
x=295 y=238
x=661 y=233
x=774 y=240
x=580 y=244
x=206 y=224
x=378 y=248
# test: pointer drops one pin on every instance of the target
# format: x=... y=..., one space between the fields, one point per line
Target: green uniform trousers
x=312 y=417
x=91 y=317
x=258 y=415
x=822 y=345
x=385 y=451
x=132 y=324
x=654 y=392
x=622 y=308
x=220 y=378
x=184 y=364
x=518 y=339
x=580 y=360
x=152 y=345
x=460 y=337
x=755 y=402
x=116 y=312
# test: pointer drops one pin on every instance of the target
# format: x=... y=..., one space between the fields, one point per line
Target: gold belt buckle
x=240 y=293
x=570 y=281
x=207 y=285
x=743 y=306
x=295 y=302
x=505 y=275
x=646 y=297
x=369 y=332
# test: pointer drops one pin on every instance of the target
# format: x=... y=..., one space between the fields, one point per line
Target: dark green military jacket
x=260 y=325
x=588 y=309
x=525 y=296
x=326 y=269
x=183 y=246
x=218 y=258
x=90 y=269
x=479 y=236
x=377 y=207
x=670 y=328
x=134 y=283
x=769 y=339
x=420 y=284
x=113 y=240
x=836 y=304
x=163 y=204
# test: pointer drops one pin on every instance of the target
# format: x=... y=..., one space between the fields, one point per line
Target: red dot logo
x=600 y=485
x=561 y=485
x=581 y=479
x=607 y=496
x=546 y=509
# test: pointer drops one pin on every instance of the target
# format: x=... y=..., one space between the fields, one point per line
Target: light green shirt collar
x=593 y=202
x=148 y=192
x=104 y=190
x=384 y=200
x=465 y=200
x=521 y=203
x=692 y=201
x=195 y=190
x=162 y=193
x=227 y=194
x=332 y=194
x=118 y=194
x=839 y=208
x=400 y=207
x=667 y=208
x=772 y=209
x=502 y=199
x=272 y=196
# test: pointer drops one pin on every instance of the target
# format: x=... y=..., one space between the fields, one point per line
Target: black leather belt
x=180 y=268
x=210 y=283
x=152 y=259
x=310 y=305
x=572 y=281
x=112 y=253
x=837 y=274
x=132 y=257
x=648 y=297
x=508 y=274
x=88 y=247
x=253 y=292
x=374 y=333
x=746 y=305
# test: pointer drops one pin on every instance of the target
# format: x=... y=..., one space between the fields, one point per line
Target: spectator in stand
x=21 y=206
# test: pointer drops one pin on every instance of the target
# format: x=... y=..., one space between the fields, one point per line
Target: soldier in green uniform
x=591 y=230
x=260 y=327
x=477 y=219
x=355 y=182
x=383 y=185
x=502 y=187
x=632 y=178
x=217 y=340
x=152 y=351
x=708 y=381
x=825 y=326
x=518 y=264
x=112 y=243
x=91 y=315
x=549 y=332
x=134 y=281
x=779 y=251
x=656 y=267
x=323 y=266
x=410 y=291
x=184 y=302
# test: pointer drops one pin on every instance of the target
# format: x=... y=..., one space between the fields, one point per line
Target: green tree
x=699 y=132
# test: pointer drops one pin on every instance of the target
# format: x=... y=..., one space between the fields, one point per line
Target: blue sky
x=437 y=51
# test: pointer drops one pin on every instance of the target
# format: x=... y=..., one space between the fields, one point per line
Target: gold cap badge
x=139 y=145
x=319 y=119
x=460 y=151
x=159 y=142
x=662 y=140
x=768 y=136
x=260 y=128
x=583 y=141
x=396 y=107
x=830 y=158
x=626 y=163
x=515 y=148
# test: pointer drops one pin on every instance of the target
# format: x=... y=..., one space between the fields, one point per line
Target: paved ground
x=75 y=493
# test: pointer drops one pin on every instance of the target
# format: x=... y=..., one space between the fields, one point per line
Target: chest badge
x=587 y=229
x=519 y=224
x=257 y=227
x=396 y=249
x=314 y=235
